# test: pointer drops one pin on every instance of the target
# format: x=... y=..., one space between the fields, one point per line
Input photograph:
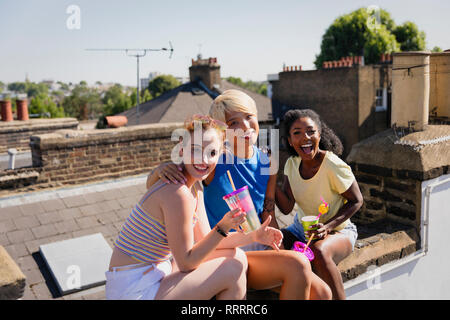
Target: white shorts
x=133 y=284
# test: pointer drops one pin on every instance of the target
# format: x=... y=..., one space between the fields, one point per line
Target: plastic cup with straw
x=241 y=198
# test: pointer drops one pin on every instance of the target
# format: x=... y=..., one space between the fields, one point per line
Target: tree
x=83 y=96
x=42 y=104
x=368 y=33
x=116 y=100
x=258 y=87
x=30 y=88
x=162 y=84
x=17 y=87
x=145 y=96
x=409 y=37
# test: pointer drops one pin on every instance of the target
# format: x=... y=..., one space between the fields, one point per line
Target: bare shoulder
x=176 y=192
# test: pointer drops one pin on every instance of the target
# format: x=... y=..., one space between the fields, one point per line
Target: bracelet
x=221 y=232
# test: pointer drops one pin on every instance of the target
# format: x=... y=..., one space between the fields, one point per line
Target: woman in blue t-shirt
x=283 y=270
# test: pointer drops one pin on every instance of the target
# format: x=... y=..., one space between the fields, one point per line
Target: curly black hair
x=328 y=139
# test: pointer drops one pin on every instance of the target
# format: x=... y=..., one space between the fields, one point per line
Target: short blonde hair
x=232 y=101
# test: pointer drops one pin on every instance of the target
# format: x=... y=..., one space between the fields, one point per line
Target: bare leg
x=286 y=269
x=319 y=289
x=222 y=274
x=328 y=253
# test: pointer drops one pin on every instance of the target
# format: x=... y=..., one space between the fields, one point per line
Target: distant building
x=194 y=96
x=151 y=76
x=353 y=99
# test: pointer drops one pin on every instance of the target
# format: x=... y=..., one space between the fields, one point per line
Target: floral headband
x=217 y=124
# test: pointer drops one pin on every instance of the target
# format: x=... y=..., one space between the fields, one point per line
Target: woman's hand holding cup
x=231 y=220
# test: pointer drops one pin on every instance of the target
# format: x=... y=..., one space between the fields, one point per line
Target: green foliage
x=116 y=100
x=258 y=87
x=82 y=95
x=409 y=37
x=436 y=49
x=42 y=104
x=32 y=89
x=368 y=33
x=113 y=101
x=146 y=96
x=161 y=84
x=64 y=86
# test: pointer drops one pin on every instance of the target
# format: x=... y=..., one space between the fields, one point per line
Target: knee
x=322 y=255
x=297 y=265
x=241 y=258
x=297 y=260
x=323 y=292
x=236 y=264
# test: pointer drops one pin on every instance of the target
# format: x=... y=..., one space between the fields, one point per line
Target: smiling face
x=246 y=129
x=200 y=157
x=304 y=137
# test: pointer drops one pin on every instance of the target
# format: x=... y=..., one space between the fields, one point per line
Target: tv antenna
x=199 y=55
x=137 y=53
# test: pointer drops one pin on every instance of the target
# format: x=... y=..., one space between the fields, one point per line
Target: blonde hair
x=206 y=122
x=232 y=101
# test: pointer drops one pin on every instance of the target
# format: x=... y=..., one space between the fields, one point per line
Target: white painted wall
x=427 y=277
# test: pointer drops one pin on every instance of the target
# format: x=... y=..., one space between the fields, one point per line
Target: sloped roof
x=187 y=99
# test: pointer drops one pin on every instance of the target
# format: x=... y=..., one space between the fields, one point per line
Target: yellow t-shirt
x=333 y=178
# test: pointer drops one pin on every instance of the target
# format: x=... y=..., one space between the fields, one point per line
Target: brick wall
x=343 y=97
x=390 y=171
x=16 y=134
x=388 y=194
x=73 y=157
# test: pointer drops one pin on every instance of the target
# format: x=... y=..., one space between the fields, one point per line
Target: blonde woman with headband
x=166 y=248
x=285 y=271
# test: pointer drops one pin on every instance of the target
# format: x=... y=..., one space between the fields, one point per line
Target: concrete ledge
x=74 y=138
x=12 y=280
x=38 y=124
x=376 y=250
x=419 y=155
x=18 y=178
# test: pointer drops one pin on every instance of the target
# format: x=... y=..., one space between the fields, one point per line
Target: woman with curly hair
x=314 y=170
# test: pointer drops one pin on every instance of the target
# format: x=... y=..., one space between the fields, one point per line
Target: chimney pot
x=411 y=89
x=6 y=110
x=22 y=110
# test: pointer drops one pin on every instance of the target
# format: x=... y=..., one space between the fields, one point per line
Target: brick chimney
x=410 y=89
x=206 y=70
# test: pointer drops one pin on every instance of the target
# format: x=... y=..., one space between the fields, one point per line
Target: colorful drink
x=241 y=199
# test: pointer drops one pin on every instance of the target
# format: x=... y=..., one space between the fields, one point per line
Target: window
x=381 y=100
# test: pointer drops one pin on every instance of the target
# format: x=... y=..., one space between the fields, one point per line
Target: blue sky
x=250 y=38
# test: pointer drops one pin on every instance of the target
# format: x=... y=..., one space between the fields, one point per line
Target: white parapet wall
x=424 y=274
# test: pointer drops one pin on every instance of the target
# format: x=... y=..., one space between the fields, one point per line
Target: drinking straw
x=309 y=241
x=231 y=180
x=234 y=189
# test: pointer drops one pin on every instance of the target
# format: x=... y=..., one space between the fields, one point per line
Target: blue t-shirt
x=253 y=172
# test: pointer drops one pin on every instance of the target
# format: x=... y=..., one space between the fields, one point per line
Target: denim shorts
x=133 y=284
x=296 y=229
x=255 y=246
